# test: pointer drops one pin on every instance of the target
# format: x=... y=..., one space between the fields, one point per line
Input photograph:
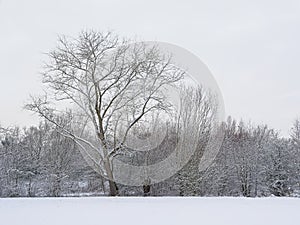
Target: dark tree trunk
x=113 y=188
x=146 y=189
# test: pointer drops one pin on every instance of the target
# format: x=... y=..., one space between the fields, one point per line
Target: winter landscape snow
x=149 y=112
x=133 y=210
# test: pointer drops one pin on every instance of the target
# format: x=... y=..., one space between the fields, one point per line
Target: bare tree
x=295 y=137
x=59 y=156
x=295 y=134
x=194 y=123
x=112 y=86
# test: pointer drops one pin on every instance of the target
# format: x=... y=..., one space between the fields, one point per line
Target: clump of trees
x=254 y=161
x=38 y=161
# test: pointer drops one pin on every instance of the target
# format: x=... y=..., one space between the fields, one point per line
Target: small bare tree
x=295 y=132
x=112 y=85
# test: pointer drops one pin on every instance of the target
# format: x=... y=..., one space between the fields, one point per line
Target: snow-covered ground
x=154 y=211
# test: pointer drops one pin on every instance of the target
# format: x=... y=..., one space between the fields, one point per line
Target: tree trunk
x=113 y=188
x=146 y=189
x=30 y=188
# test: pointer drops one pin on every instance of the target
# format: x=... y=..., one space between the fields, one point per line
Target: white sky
x=251 y=47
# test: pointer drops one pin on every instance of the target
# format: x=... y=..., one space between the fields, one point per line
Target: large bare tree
x=109 y=86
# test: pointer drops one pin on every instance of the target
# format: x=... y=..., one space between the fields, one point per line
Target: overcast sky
x=251 y=47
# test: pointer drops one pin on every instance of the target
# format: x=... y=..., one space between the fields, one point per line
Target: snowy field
x=154 y=211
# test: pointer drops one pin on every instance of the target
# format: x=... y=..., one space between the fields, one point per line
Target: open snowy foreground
x=154 y=211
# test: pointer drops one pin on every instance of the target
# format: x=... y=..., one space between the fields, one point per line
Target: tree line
x=252 y=162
